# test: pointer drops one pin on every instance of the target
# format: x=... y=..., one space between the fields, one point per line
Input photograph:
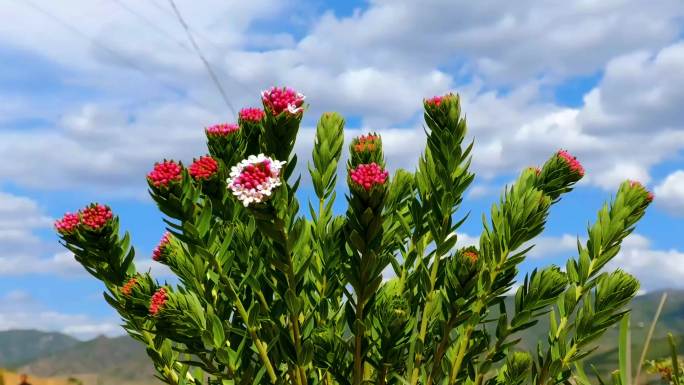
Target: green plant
x=267 y=294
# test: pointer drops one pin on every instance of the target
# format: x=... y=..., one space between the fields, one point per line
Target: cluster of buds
x=640 y=187
x=573 y=164
x=251 y=115
x=93 y=217
x=221 y=130
x=254 y=179
x=279 y=100
x=368 y=176
x=158 y=301
x=127 y=288
x=165 y=173
x=161 y=251
x=203 y=168
x=366 y=149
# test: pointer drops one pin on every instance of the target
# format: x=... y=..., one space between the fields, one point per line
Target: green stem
x=458 y=360
x=358 y=342
x=260 y=346
x=424 y=318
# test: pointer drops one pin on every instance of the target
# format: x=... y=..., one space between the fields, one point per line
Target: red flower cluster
x=366 y=143
x=158 y=252
x=203 y=168
x=223 y=129
x=637 y=184
x=572 y=162
x=283 y=99
x=96 y=216
x=68 y=223
x=251 y=114
x=368 y=175
x=157 y=301
x=434 y=101
x=254 y=175
x=165 y=173
x=127 y=288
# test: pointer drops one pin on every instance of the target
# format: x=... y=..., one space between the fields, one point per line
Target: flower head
x=368 y=176
x=471 y=255
x=251 y=114
x=283 y=99
x=158 y=301
x=434 y=101
x=253 y=179
x=159 y=251
x=203 y=168
x=637 y=185
x=127 y=288
x=222 y=129
x=68 y=223
x=164 y=173
x=572 y=162
x=96 y=216
x=366 y=143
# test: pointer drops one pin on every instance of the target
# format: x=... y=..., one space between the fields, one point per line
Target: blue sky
x=93 y=93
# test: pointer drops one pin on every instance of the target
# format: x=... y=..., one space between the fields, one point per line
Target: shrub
x=269 y=292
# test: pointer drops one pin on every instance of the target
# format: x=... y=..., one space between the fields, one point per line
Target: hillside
x=115 y=360
x=19 y=346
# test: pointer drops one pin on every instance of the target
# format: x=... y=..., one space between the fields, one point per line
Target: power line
x=124 y=60
x=212 y=75
x=151 y=24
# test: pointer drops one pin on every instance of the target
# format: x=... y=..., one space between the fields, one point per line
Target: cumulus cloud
x=19 y=310
x=670 y=193
x=655 y=268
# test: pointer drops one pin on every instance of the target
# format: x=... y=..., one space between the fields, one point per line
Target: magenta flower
x=68 y=223
x=164 y=173
x=255 y=178
x=96 y=216
x=572 y=162
x=160 y=250
x=368 y=176
x=158 y=301
x=283 y=99
x=203 y=168
x=251 y=114
x=223 y=129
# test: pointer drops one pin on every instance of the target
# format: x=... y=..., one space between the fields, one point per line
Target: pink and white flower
x=254 y=179
x=283 y=99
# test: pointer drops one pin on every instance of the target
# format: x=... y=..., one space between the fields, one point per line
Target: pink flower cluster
x=283 y=99
x=222 y=129
x=96 y=216
x=572 y=162
x=127 y=288
x=368 y=175
x=158 y=301
x=158 y=252
x=68 y=223
x=434 y=101
x=164 y=173
x=203 y=168
x=255 y=178
x=636 y=184
x=251 y=114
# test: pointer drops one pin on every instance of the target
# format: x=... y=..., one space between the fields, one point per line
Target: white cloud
x=670 y=193
x=19 y=310
x=655 y=269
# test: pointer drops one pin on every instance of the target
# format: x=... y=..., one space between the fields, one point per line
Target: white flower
x=254 y=178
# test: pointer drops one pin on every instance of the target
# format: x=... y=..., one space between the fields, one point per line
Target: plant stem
x=458 y=361
x=441 y=349
x=424 y=318
x=358 y=341
x=261 y=347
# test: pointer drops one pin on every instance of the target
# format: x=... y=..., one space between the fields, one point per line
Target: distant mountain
x=18 y=346
x=118 y=360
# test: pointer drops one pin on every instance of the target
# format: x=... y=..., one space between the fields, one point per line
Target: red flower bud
x=283 y=99
x=160 y=250
x=368 y=175
x=165 y=173
x=96 y=216
x=572 y=162
x=68 y=223
x=158 y=301
x=127 y=288
x=251 y=114
x=223 y=129
x=203 y=168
